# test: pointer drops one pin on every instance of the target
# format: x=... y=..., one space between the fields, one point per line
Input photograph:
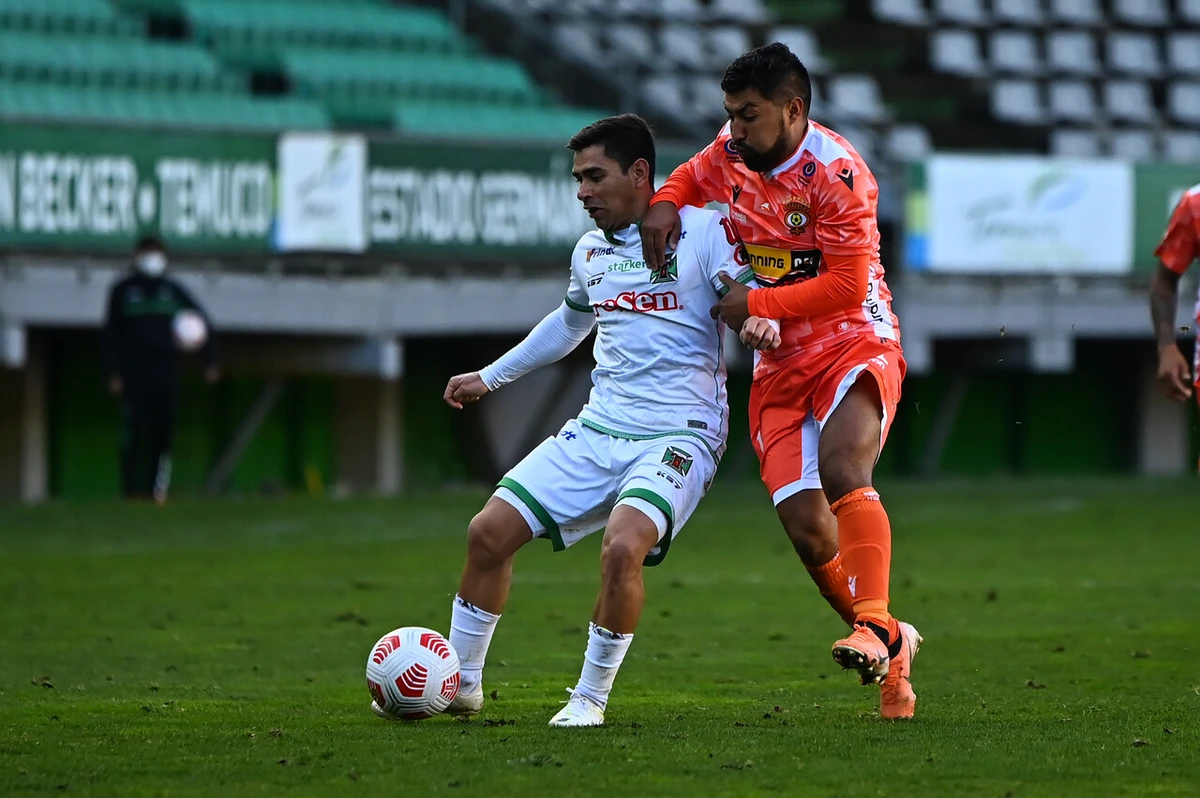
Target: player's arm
x=554 y=337
x=725 y=273
x=1176 y=252
x=695 y=182
x=844 y=218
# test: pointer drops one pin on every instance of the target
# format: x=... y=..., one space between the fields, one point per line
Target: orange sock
x=834 y=585
x=865 y=536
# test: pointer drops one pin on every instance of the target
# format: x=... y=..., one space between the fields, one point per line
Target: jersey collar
x=794 y=158
x=621 y=237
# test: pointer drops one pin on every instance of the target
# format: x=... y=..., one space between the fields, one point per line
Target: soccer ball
x=412 y=673
x=189 y=330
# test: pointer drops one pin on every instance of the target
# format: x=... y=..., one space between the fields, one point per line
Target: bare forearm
x=1164 y=301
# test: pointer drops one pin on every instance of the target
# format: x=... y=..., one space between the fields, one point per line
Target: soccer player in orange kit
x=803 y=205
x=1180 y=246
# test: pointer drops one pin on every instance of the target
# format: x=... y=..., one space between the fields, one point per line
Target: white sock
x=471 y=632
x=605 y=651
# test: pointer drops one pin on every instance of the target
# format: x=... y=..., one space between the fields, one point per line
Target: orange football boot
x=896 y=697
x=865 y=652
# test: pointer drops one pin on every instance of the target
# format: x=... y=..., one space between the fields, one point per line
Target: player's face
x=761 y=130
x=610 y=195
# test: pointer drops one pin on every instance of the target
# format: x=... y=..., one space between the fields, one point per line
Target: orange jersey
x=1181 y=243
x=820 y=203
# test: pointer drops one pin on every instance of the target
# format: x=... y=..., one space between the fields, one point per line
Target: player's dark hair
x=774 y=71
x=626 y=138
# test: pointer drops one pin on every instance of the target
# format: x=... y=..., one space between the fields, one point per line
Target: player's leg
x=163 y=402
x=628 y=539
x=131 y=440
x=858 y=403
x=662 y=485
x=786 y=438
x=527 y=504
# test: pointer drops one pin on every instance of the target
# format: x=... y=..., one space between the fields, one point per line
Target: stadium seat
x=803 y=43
x=863 y=139
x=1077 y=12
x=1018 y=101
x=111 y=62
x=65 y=16
x=1129 y=101
x=1067 y=143
x=961 y=12
x=1183 y=53
x=900 y=12
x=1072 y=52
x=1014 y=52
x=747 y=12
x=222 y=110
x=1133 y=54
x=690 y=10
x=1181 y=145
x=1183 y=102
x=277 y=23
x=707 y=99
x=857 y=97
x=1133 y=145
x=1026 y=13
x=575 y=41
x=666 y=93
x=682 y=45
x=907 y=142
x=1072 y=101
x=1148 y=13
x=957 y=52
x=726 y=43
x=630 y=42
x=466 y=121
x=1189 y=11
x=381 y=73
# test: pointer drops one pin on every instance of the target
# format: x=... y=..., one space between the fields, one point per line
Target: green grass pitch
x=218 y=648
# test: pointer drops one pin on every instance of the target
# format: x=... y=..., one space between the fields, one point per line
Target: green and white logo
x=669 y=272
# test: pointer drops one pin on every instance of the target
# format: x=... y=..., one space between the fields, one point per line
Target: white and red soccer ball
x=413 y=673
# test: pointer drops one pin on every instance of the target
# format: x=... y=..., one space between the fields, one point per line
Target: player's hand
x=463 y=389
x=115 y=386
x=660 y=233
x=1174 y=374
x=760 y=333
x=734 y=307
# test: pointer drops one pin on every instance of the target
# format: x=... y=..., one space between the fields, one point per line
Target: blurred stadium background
x=370 y=196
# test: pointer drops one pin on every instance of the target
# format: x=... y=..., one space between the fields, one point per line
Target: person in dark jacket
x=143 y=367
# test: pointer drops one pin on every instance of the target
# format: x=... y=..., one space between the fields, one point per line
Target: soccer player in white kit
x=645 y=447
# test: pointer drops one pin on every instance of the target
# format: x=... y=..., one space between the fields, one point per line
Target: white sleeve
x=720 y=254
x=553 y=338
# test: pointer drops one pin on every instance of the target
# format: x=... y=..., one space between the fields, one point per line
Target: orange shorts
x=789 y=407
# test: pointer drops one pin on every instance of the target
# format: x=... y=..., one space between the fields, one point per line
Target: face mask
x=151 y=264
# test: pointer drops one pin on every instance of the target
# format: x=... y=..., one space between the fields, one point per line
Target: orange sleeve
x=1179 y=243
x=842 y=287
x=697 y=181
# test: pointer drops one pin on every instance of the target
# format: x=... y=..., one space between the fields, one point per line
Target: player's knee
x=621 y=555
x=489 y=542
x=811 y=529
x=845 y=470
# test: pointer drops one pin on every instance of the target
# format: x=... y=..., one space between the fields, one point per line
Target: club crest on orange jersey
x=797 y=215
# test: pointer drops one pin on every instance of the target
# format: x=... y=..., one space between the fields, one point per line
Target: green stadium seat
x=381 y=73
x=69 y=16
x=159 y=108
x=255 y=31
x=111 y=62
x=466 y=121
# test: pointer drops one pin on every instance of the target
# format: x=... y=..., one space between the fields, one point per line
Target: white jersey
x=660 y=366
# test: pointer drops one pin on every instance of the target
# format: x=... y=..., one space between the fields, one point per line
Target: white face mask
x=151 y=264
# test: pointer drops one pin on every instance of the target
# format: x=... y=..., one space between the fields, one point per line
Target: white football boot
x=375 y=708
x=465 y=704
x=579 y=711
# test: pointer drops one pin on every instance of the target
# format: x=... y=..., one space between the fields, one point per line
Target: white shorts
x=567 y=486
